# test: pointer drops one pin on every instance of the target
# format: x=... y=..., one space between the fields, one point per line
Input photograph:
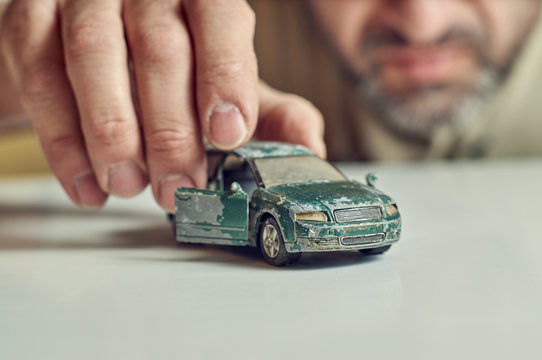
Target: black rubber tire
x=282 y=257
x=376 y=251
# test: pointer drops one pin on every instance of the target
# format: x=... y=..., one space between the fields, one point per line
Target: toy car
x=285 y=200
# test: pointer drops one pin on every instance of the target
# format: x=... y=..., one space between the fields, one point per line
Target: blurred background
x=391 y=84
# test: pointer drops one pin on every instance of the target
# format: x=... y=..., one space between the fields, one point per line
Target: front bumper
x=318 y=237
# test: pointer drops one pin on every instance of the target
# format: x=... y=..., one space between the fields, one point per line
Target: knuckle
x=171 y=142
x=88 y=37
x=222 y=70
x=109 y=131
x=160 y=43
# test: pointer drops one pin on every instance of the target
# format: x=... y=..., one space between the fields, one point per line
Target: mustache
x=386 y=37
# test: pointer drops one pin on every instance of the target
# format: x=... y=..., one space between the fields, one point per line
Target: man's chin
x=417 y=114
x=417 y=119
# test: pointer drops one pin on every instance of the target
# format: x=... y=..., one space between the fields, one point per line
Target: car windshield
x=296 y=169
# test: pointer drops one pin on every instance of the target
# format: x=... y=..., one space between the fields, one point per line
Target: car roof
x=269 y=149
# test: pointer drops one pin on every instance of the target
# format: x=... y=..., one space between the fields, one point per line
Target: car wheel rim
x=271 y=242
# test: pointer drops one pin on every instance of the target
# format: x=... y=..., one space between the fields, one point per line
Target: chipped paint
x=228 y=218
x=331 y=195
x=207 y=206
x=214 y=217
x=267 y=149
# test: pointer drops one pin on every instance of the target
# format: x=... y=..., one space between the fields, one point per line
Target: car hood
x=331 y=195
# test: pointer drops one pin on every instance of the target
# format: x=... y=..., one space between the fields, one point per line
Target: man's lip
x=421 y=66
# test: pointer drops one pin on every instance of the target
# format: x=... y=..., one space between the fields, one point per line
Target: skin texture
x=125 y=92
x=421 y=63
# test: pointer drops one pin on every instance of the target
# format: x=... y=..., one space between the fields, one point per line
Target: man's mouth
x=414 y=87
x=413 y=67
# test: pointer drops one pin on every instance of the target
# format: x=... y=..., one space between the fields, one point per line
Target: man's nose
x=420 y=22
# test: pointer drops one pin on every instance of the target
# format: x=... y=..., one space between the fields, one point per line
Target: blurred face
x=423 y=63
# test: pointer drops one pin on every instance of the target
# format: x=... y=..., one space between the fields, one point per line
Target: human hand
x=122 y=92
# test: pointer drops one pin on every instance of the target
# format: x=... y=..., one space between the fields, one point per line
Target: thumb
x=290 y=118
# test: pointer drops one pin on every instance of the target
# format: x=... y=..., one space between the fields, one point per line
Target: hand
x=122 y=92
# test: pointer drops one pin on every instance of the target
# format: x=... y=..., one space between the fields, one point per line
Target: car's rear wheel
x=375 y=251
x=272 y=244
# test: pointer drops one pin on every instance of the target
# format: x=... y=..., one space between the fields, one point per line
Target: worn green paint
x=283 y=202
x=213 y=217
x=218 y=217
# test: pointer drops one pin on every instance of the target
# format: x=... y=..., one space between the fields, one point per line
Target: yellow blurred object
x=21 y=155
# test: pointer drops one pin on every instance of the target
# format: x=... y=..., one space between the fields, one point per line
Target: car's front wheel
x=272 y=244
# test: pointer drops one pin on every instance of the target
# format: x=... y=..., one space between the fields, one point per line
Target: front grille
x=358 y=214
x=362 y=240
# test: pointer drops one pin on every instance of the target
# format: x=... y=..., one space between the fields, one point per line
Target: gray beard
x=418 y=114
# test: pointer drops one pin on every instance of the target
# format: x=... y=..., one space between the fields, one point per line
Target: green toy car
x=286 y=201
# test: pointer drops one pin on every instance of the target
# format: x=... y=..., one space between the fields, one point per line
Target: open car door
x=212 y=217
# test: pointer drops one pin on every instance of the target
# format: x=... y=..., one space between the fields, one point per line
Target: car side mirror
x=371 y=179
x=235 y=187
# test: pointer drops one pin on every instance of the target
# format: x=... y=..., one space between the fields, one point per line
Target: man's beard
x=417 y=114
x=425 y=108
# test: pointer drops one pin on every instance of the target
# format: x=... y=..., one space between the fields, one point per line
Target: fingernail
x=168 y=186
x=88 y=191
x=126 y=179
x=227 y=127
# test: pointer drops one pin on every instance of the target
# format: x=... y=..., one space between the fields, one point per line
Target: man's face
x=422 y=63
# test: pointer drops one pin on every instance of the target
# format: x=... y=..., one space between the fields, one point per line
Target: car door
x=212 y=217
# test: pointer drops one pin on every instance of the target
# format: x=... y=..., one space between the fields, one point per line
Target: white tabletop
x=464 y=282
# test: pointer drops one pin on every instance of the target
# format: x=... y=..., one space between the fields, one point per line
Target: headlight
x=316 y=216
x=391 y=209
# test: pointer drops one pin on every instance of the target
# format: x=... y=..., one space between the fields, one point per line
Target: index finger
x=226 y=69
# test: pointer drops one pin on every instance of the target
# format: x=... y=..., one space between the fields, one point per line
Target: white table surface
x=464 y=282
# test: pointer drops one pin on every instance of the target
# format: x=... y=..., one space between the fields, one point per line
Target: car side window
x=239 y=171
